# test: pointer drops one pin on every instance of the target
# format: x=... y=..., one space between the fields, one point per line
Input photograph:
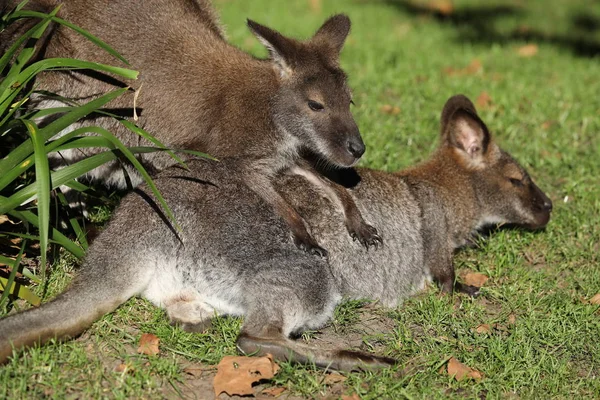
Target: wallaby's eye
x=516 y=182
x=315 y=106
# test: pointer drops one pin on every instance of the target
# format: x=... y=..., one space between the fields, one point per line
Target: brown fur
x=196 y=91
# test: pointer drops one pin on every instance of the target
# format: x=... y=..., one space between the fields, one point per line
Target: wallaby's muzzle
x=542 y=206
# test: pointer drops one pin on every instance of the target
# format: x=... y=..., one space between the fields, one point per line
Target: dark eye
x=315 y=106
x=516 y=182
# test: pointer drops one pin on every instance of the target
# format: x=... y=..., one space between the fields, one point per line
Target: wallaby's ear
x=280 y=48
x=332 y=34
x=464 y=130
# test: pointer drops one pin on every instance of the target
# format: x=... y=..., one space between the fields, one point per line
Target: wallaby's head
x=313 y=100
x=504 y=190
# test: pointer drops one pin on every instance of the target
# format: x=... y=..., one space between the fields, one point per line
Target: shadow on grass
x=476 y=24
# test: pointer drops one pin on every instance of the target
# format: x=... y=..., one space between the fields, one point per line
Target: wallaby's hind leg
x=270 y=340
x=190 y=314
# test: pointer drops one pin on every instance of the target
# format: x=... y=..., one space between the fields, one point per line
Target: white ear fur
x=272 y=40
x=279 y=61
x=469 y=137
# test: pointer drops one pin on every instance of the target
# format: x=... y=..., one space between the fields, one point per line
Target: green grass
x=544 y=109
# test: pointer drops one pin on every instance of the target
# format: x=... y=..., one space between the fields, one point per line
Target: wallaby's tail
x=284 y=349
x=69 y=314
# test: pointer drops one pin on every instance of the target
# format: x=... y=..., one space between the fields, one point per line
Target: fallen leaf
x=333 y=378
x=444 y=7
x=483 y=100
x=236 y=374
x=389 y=109
x=595 y=299
x=3 y=219
x=474 y=67
x=354 y=396
x=528 y=50
x=315 y=6
x=512 y=318
x=148 y=344
x=475 y=279
x=273 y=391
x=460 y=371
x=547 y=124
x=483 y=328
x=123 y=368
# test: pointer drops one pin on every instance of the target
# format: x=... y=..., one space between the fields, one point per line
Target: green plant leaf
x=57 y=236
x=98 y=42
x=42 y=183
x=19 y=154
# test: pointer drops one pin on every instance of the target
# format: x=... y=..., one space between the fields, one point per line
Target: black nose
x=357 y=149
x=547 y=204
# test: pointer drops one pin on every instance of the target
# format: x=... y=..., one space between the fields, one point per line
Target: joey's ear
x=280 y=48
x=464 y=130
x=332 y=34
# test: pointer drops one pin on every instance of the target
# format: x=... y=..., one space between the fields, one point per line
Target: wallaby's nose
x=356 y=148
x=547 y=204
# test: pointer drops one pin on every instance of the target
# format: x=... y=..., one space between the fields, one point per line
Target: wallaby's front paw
x=367 y=235
x=309 y=245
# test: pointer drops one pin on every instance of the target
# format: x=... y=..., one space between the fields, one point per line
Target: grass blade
x=56 y=236
x=26 y=148
x=97 y=41
x=80 y=234
x=42 y=183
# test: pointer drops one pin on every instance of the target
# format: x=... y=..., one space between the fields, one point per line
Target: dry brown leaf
x=333 y=378
x=474 y=67
x=444 y=7
x=273 y=391
x=483 y=328
x=389 y=109
x=512 y=318
x=148 y=344
x=315 y=6
x=124 y=368
x=460 y=371
x=483 y=100
x=595 y=299
x=528 y=50
x=3 y=219
x=236 y=374
x=354 y=396
x=475 y=279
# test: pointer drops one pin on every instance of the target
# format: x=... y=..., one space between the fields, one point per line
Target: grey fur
x=234 y=256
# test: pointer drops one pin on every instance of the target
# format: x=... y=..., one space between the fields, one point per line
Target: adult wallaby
x=233 y=255
x=201 y=93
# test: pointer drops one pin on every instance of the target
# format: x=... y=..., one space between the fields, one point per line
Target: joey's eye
x=315 y=106
x=516 y=182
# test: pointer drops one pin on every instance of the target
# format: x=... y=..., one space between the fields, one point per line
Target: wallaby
x=198 y=92
x=233 y=256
